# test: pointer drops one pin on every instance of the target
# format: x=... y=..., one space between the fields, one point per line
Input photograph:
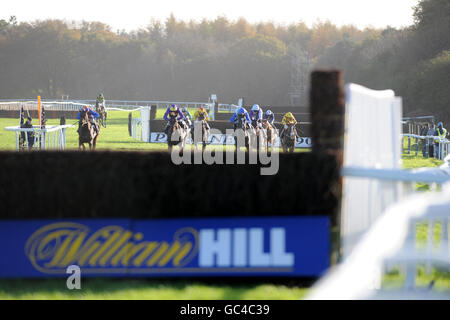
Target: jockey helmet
x=440 y=124
x=202 y=109
x=255 y=107
x=241 y=110
x=173 y=107
x=268 y=112
x=184 y=109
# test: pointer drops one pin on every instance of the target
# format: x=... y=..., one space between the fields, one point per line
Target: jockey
x=92 y=115
x=100 y=99
x=256 y=114
x=187 y=116
x=179 y=116
x=202 y=114
x=288 y=118
x=269 y=116
x=240 y=111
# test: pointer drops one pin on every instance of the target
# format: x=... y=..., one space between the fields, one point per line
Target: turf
x=55 y=289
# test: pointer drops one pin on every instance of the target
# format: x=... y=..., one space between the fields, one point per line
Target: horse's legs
x=95 y=141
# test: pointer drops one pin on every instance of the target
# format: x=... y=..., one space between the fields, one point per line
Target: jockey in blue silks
x=179 y=115
x=91 y=116
x=256 y=115
x=269 y=116
x=91 y=113
x=240 y=111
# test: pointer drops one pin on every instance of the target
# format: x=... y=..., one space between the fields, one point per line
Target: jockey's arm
x=248 y=117
x=180 y=115
x=233 y=118
x=166 y=114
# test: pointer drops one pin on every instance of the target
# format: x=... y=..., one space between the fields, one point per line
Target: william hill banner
x=278 y=246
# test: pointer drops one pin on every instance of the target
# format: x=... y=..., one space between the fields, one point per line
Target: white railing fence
x=379 y=207
x=36 y=138
x=136 y=129
x=75 y=105
x=140 y=127
x=48 y=105
x=392 y=242
x=440 y=147
x=372 y=119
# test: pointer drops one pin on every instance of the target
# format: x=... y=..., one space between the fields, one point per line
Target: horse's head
x=265 y=124
x=173 y=115
x=242 y=121
x=84 y=117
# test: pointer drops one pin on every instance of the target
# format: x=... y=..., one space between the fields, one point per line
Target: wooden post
x=130 y=120
x=327 y=108
x=153 y=112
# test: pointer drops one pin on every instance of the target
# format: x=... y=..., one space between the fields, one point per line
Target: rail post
x=327 y=108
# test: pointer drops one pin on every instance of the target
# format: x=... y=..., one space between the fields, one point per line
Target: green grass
x=115 y=137
x=100 y=289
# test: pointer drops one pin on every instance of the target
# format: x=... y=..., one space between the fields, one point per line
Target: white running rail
x=50 y=137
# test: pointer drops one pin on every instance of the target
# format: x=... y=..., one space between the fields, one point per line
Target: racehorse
x=256 y=134
x=241 y=123
x=101 y=110
x=175 y=128
x=269 y=134
x=204 y=139
x=289 y=138
x=86 y=132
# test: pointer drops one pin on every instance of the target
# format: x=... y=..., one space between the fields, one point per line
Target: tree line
x=189 y=60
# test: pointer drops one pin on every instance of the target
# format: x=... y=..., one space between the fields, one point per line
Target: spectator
x=423 y=142
x=430 y=133
x=441 y=132
x=30 y=134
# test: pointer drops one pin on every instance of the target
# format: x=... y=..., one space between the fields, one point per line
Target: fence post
x=129 y=124
x=409 y=144
x=417 y=146
x=153 y=109
x=327 y=108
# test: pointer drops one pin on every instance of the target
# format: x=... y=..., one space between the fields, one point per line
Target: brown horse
x=101 y=110
x=175 y=128
x=204 y=139
x=86 y=132
x=241 y=123
x=270 y=134
x=257 y=134
x=289 y=138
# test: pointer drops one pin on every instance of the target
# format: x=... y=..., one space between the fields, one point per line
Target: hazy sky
x=134 y=14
